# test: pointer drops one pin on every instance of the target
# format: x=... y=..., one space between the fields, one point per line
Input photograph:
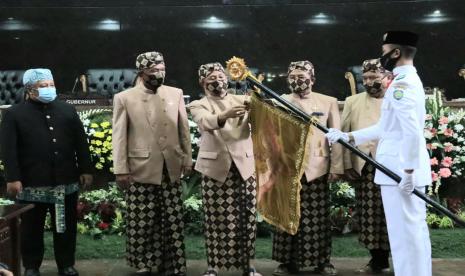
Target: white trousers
x=408 y=232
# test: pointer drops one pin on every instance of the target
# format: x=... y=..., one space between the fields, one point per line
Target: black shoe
x=326 y=269
x=286 y=269
x=31 y=272
x=68 y=271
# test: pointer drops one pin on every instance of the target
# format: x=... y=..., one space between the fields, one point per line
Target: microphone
x=74 y=86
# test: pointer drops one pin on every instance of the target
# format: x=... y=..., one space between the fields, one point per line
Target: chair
x=11 y=87
x=108 y=82
x=354 y=75
x=462 y=72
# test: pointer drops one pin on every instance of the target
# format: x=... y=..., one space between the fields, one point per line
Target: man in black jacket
x=45 y=153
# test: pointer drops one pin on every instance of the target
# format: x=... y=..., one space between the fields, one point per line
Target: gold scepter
x=239 y=71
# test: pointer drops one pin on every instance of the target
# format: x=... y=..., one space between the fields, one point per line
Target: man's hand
x=86 y=180
x=233 y=112
x=14 y=188
x=334 y=177
x=4 y=272
x=351 y=174
x=334 y=135
x=124 y=180
x=407 y=184
x=186 y=170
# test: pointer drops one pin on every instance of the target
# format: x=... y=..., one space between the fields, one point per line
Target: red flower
x=83 y=208
x=107 y=212
x=448 y=147
x=434 y=176
x=444 y=172
x=443 y=120
x=447 y=161
x=448 y=132
x=103 y=225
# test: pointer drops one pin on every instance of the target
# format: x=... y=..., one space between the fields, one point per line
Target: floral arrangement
x=342 y=206
x=101 y=212
x=97 y=125
x=4 y=201
x=445 y=138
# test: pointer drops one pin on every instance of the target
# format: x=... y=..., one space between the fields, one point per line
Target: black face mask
x=387 y=62
x=373 y=89
x=299 y=86
x=156 y=80
x=217 y=87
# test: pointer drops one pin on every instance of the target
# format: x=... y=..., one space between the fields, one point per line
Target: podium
x=10 y=251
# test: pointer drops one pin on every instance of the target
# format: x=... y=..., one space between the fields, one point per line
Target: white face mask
x=47 y=94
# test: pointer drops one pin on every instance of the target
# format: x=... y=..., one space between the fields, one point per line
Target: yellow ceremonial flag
x=280 y=145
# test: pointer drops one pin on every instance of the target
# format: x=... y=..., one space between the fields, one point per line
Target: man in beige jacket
x=361 y=111
x=226 y=162
x=151 y=151
x=311 y=246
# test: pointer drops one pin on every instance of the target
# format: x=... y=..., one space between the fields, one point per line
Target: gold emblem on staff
x=237 y=68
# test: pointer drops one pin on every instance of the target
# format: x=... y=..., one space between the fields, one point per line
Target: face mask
x=374 y=88
x=47 y=94
x=156 y=79
x=217 y=87
x=387 y=62
x=299 y=86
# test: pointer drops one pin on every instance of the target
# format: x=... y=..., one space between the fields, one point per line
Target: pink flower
x=448 y=132
x=448 y=147
x=428 y=117
x=433 y=131
x=443 y=120
x=434 y=161
x=444 y=172
x=434 y=176
x=434 y=146
x=447 y=161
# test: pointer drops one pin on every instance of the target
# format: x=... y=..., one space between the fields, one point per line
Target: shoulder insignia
x=400 y=77
x=398 y=94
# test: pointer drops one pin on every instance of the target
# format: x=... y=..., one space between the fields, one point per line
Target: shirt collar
x=404 y=69
x=306 y=96
x=216 y=98
x=145 y=89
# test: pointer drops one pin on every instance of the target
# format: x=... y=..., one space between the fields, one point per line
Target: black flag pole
x=238 y=70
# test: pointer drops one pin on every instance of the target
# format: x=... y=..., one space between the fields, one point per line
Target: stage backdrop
x=72 y=36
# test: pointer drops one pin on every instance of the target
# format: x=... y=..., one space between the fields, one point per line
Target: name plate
x=86 y=101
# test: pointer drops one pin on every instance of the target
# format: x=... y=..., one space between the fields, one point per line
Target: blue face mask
x=47 y=94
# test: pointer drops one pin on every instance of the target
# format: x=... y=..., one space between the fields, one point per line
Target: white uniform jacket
x=399 y=130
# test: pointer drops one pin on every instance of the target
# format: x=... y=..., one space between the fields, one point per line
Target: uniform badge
x=400 y=77
x=398 y=94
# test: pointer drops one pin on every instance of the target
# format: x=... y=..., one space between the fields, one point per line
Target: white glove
x=334 y=135
x=407 y=184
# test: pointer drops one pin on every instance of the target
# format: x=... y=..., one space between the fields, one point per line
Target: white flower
x=443 y=127
x=458 y=127
x=427 y=134
x=192 y=123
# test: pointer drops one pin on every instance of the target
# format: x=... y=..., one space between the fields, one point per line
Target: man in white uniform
x=402 y=149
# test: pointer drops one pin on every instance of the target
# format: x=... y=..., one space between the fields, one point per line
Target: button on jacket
x=43 y=144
